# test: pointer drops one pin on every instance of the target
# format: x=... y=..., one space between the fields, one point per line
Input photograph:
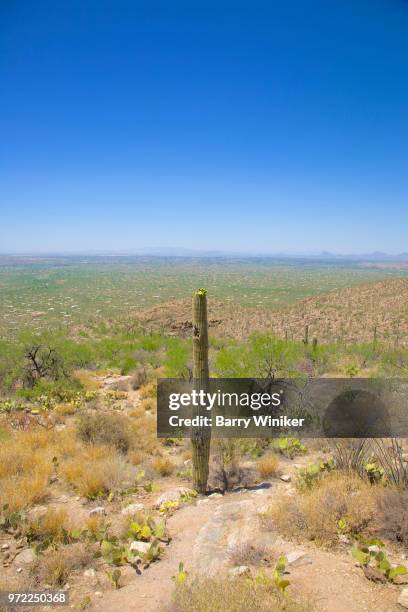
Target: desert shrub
x=109 y=429
x=55 y=566
x=226 y=471
x=263 y=356
x=267 y=466
x=163 y=466
x=149 y=390
x=149 y=404
x=248 y=553
x=392 y=515
x=138 y=379
x=177 y=361
x=95 y=471
x=136 y=457
x=53 y=526
x=339 y=503
x=237 y=595
x=24 y=471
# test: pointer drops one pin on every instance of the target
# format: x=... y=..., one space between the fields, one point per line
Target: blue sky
x=248 y=126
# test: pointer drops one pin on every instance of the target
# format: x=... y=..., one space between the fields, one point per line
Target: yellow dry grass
x=94 y=471
x=163 y=466
x=316 y=513
x=268 y=466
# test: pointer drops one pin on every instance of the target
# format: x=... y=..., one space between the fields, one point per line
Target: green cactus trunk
x=200 y=437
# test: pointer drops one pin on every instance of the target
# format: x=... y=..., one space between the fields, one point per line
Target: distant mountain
x=375 y=256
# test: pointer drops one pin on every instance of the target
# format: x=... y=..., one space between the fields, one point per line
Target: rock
x=5 y=547
x=114 y=382
x=19 y=570
x=98 y=594
x=172 y=495
x=298 y=558
x=286 y=477
x=403 y=598
x=133 y=509
x=63 y=499
x=139 y=547
x=25 y=557
x=89 y=573
x=99 y=510
x=241 y=570
x=374 y=548
x=37 y=512
x=213 y=495
x=372 y=573
x=187 y=462
x=344 y=539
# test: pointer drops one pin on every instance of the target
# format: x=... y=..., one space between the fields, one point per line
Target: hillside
x=348 y=315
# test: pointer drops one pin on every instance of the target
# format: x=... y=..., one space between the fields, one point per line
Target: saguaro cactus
x=200 y=437
x=306 y=336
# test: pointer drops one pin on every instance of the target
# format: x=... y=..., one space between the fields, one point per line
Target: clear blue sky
x=252 y=126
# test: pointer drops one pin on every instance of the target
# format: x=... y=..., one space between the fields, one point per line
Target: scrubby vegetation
x=82 y=472
x=238 y=595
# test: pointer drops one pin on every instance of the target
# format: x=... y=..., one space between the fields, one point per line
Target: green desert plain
x=92 y=503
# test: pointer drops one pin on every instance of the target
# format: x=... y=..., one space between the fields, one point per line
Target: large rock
x=98 y=511
x=26 y=557
x=172 y=495
x=403 y=598
x=298 y=558
x=139 y=547
x=241 y=570
x=133 y=509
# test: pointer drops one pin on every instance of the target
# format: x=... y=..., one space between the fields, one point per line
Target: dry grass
x=149 y=390
x=149 y=404
x=392 y=515
x=238 y=595
x=25 y=469
x=163 y=466
x=248 y=553
x=95 y=471
x=136 y=457
x=144 y=437
x=110 y=429
x=137 y=412
x=315 y=514
x=267 y=466
x=55 y=567
x=87 y=380
x=50 y=526
x=66 y=409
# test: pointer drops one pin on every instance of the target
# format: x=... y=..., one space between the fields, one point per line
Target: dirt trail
x=153 y=589
x=202 y=535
